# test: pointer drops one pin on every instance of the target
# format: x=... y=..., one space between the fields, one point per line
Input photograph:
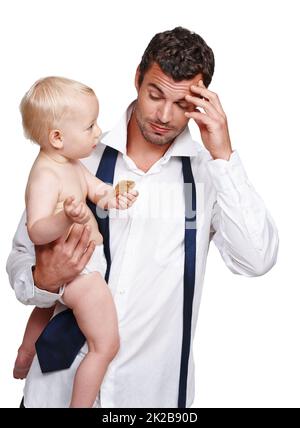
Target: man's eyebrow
x=153 y=85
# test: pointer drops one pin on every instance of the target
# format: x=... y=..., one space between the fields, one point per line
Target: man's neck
x=143 y=153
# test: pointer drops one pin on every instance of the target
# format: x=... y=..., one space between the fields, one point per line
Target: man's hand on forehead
x=211 y=120
x=204 y=94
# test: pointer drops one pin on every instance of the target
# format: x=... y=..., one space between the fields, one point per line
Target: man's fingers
x=86 y=256
x=200 y=118
x=65 y=236
x=83 y=242
x=212 y=97
x=75 y=235
x=206 y=105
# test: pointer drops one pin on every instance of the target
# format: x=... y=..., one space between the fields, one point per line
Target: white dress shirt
x=146 y=279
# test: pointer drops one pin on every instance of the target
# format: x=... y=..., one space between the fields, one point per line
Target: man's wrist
x=225 y=156
x=53 y=288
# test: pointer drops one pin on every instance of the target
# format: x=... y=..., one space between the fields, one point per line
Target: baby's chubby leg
x=38 y=320
x=91 y=301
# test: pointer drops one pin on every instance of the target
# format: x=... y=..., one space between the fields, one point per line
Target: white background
x=246 y=347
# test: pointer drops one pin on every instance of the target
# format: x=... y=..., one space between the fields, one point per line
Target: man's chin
x=158 y=140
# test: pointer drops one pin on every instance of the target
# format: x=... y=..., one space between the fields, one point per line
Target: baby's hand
x=125 y=195
x=126 y=200
x=76 y=211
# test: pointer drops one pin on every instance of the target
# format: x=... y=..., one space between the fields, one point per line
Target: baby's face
x=80 y=131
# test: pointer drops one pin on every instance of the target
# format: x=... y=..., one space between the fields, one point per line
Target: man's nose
x=165 y=113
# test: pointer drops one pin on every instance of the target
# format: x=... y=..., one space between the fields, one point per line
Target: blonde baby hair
x=46 y=103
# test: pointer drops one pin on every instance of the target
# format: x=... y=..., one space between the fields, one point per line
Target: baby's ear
x=56 y=139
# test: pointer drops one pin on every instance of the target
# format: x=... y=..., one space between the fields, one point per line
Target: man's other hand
x=62 y=260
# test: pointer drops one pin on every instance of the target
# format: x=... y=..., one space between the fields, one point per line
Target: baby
x=61 y=116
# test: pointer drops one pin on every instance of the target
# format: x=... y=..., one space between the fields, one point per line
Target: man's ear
x=136 y=80
x=56 y=139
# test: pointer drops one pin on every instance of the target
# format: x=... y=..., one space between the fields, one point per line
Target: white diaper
x=97 y=263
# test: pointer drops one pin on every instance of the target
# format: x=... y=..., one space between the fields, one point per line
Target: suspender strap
x=189 y=274
x=105 y=172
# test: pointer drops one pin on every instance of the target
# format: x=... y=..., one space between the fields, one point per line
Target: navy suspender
x=105 y=172
x=189 y=274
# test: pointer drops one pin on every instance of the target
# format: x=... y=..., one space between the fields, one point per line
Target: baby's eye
x=92 y=126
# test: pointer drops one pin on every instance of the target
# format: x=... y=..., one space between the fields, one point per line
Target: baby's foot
x=22 y=364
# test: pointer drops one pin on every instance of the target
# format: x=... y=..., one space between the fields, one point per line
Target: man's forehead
x=155 y=77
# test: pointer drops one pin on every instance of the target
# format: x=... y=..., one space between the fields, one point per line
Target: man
x=158 y=256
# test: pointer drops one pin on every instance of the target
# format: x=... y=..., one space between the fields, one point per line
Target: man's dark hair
x=181 y=54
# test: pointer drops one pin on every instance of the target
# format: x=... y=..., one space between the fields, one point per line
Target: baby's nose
x=99 y=133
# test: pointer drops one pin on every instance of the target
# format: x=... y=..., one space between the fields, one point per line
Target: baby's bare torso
x=72 y=183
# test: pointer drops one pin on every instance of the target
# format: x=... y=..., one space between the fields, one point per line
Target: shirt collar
x=183 y=145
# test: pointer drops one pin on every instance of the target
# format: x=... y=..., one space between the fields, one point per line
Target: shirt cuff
x=45 y=299
x=29 y=294
x=227 y=174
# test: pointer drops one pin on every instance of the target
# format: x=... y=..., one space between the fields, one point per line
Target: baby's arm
x=104 y=195
x=41 y=198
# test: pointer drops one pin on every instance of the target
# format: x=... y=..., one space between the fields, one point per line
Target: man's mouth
x=159 y=129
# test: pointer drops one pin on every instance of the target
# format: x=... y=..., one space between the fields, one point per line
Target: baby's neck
x=55 y=157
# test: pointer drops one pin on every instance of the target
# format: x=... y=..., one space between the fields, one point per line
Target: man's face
x=161 y=105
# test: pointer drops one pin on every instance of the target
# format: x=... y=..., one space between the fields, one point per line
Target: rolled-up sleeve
x=19 y=268
x=241 y=228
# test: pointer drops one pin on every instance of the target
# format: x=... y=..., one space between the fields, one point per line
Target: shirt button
x=122 y=291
